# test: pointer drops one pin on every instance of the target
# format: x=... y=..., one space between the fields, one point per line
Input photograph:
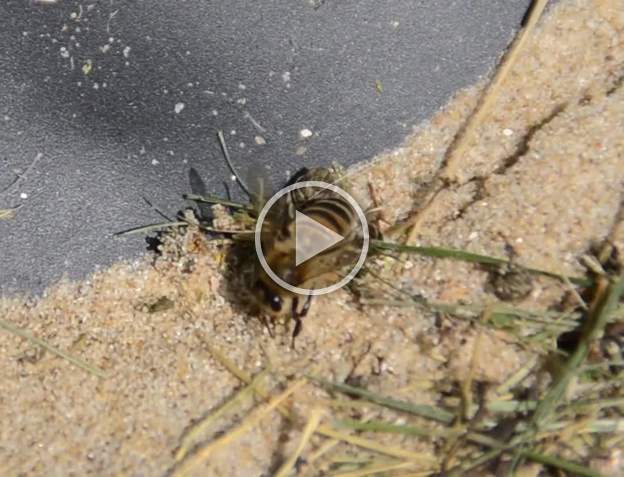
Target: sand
x=544 y=176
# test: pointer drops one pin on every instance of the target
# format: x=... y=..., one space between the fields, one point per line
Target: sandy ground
x=544 y=175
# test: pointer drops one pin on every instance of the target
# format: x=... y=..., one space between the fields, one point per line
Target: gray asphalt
x=105 y=102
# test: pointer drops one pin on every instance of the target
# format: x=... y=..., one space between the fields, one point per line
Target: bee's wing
x=261 y=190
x=198 y=187
x=259 y=184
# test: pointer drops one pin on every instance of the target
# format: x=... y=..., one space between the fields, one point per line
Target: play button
x=311 y=238
x=316 y=248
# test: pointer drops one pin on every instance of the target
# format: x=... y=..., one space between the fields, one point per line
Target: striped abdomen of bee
x=280 y=250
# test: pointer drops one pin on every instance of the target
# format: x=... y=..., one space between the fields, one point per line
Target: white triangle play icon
x=311 y=238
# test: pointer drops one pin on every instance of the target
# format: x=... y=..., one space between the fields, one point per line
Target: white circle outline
x=312 y=291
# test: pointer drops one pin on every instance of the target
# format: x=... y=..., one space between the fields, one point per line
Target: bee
x=278 y=240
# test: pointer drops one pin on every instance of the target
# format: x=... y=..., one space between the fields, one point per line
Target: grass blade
x=605 y=304
x=569 y=466
x=322 y=430
x=150 y=228
x=182 y=223
x=61 y=354
x=421 y=410
x=439 y=252
x=7 y=213
x=377 y=469
x=203 y=452
x=310 y=428
x=200 y=427
x=215 y=200
x=226 y=154
x=462 y=255
x=606 y=297
x=381 y=426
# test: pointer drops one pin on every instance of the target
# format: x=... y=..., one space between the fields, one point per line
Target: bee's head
x=271 y=298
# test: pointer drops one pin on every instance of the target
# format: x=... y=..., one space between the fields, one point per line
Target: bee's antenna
x=226 y=154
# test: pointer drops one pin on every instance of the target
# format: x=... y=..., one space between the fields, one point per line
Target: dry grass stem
x=60 y=353
x=313 y=422
x=204 y=452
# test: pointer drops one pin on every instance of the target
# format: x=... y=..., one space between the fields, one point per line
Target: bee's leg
x=306 y=306
x=297 y=330
x=297 y=315
x=266 y=324
x=297 y=318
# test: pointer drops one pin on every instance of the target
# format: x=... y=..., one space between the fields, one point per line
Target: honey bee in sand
x=279 y=245
x=279 y=242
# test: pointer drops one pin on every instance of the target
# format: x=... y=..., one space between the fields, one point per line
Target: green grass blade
x=569 y=466
x=422 y=410
x=552 y=461
x=439 y=252
x=594 y=327
x=606 y=301
x=455 y=254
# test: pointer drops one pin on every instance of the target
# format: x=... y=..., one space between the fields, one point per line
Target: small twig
x=226 y=154
x=19 y=177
